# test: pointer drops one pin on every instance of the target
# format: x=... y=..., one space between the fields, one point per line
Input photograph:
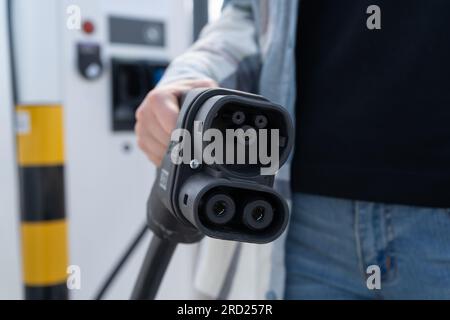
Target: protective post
x=40 y=154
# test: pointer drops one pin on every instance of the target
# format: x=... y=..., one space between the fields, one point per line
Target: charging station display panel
x=137 y=31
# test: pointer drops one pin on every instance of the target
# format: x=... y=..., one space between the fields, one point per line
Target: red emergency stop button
x=88 y=27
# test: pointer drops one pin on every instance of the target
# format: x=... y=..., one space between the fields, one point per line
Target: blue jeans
x=331 y=242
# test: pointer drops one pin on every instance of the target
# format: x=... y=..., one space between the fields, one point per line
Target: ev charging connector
x=223 y=200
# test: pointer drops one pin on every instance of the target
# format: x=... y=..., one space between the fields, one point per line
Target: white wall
x=10 y=272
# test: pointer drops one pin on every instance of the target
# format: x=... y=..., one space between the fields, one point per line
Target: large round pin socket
x=220 y=209
x=258 y=215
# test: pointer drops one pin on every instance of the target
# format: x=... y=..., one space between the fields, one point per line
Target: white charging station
x=108 y=178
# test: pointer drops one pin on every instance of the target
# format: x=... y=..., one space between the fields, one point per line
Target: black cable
x=12 y=57
x=119 y=265
x=156 y=261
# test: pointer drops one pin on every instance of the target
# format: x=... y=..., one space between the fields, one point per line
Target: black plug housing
x=225 y=201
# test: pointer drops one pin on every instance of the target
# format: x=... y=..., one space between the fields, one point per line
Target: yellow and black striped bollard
x=40 y=152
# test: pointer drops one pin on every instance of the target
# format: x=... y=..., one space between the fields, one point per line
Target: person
x=370 y=177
